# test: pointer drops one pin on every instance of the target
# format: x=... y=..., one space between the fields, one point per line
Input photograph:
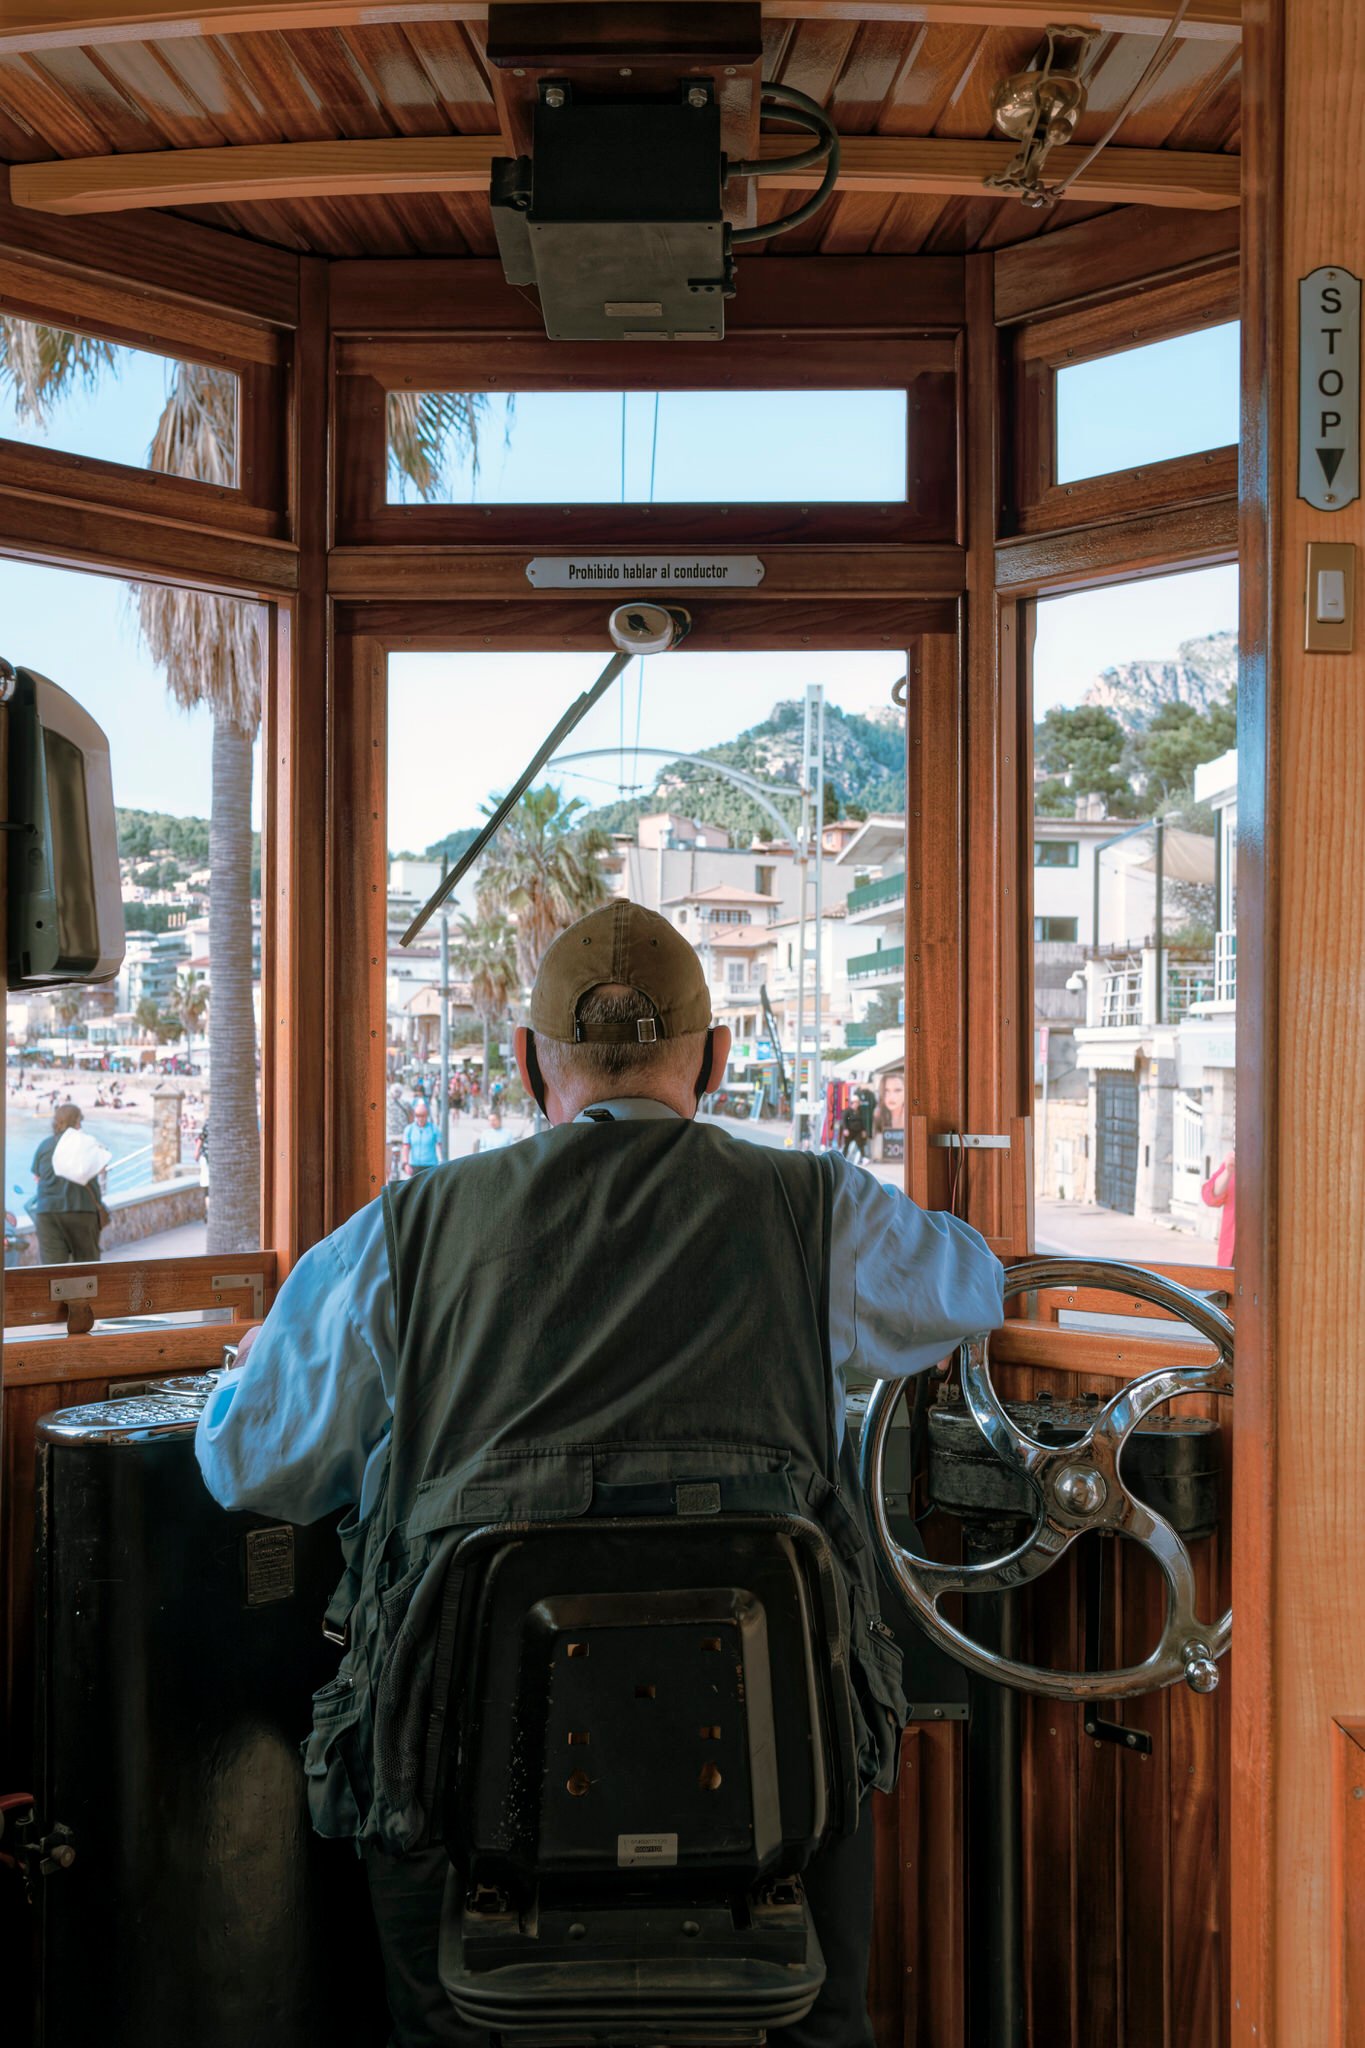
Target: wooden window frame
x=254 y=351
x=926 y=367
x=1036 y=503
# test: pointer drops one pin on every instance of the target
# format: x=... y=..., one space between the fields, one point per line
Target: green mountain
x=864 y=767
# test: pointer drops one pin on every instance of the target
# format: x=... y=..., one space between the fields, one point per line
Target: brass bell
x=1047 y=104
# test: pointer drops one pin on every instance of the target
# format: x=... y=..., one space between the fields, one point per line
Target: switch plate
x=1330 y=590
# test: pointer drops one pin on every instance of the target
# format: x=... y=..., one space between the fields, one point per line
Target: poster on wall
x=890 y=1118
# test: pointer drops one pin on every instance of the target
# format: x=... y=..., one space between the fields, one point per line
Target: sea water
x=120 y=1131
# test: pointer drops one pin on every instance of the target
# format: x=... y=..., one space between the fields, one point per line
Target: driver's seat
x=650 y=1732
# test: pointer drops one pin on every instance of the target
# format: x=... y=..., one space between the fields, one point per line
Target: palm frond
x=426 y=427
x=40 y=364
x=196 y=435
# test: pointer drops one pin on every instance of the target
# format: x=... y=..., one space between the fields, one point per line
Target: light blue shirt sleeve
x=907 y=1285
x=301 y=1429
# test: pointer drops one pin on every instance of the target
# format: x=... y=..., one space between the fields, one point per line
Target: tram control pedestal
x=178 y=1648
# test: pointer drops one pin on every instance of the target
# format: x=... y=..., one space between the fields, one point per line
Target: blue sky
x=462 y=726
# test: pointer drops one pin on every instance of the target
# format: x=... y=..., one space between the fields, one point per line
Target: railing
x=1186 y=985
x=1188 y=1146
x=1121 y=998
x=133 y=1170
x=1225 y=967
x=889 y=960
x=890 y=889
x=1126 y=997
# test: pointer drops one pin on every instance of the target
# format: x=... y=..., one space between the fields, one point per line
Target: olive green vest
x=610 y=1319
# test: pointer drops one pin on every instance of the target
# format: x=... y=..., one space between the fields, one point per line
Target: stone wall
x=146 y=1213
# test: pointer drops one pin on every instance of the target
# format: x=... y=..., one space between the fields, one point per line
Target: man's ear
x=519 y=1041
x=722 y=1038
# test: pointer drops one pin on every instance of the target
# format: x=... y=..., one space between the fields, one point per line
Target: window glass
x=1148 y=404
x=59 y=389
x=624 y=813
x=1135 y=942
x=163 y=1062
x=659 y=448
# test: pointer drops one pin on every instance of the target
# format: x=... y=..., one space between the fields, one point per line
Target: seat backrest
x=649 y=1695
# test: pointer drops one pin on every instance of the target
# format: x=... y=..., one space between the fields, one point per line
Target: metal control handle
x=1078 y=1487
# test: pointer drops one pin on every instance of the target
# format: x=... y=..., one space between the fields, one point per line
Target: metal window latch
x=969 y=1141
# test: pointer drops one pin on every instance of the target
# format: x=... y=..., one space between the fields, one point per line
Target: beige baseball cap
x=626 y=944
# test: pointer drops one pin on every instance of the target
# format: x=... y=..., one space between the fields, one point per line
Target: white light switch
x=1331 y=596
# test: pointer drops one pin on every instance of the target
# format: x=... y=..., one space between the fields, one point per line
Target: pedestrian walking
x=68 y=1215
x=421 y=1141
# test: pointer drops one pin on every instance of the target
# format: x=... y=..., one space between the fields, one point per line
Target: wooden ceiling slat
x=1166 y=98
x=388 y=61
x=37 y=25
x=341 y=85
x=815 y=57
x=173 y=108
x=28 y=91
x=450 y=61
x=870 y=75
x=925 y=87
x=1214 y=116
x=209 y=72
x=850 y=225
x=82 y=84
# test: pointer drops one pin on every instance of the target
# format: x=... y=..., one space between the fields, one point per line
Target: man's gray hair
x=597 y=1060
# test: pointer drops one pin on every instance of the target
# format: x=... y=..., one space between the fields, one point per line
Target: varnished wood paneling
x=1108 y=256
x=357 y=943
x=935 y=908
x=1186 y=536
x=129 y=543
x=898 y=295
x=554 y=624
x=1348 y=1883
x=136 y=1287
x=175 y=258
x=33 y=26
x=296 y=716
x=1303 y=1522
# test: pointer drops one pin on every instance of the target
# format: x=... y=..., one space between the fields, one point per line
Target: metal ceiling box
x=616 y=217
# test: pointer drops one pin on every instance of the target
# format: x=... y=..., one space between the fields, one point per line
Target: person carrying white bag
x=68 y=1213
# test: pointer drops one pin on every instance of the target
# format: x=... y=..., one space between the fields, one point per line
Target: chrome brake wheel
x=1077 y=1487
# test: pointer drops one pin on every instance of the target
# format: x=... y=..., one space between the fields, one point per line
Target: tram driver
x=670 y=1300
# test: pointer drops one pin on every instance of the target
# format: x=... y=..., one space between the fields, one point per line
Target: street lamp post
x=445 y=1034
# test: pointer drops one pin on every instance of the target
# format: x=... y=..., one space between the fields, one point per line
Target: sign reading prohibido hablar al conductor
x=1329 y=388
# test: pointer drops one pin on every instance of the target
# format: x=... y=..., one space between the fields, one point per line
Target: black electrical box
x=616 y=217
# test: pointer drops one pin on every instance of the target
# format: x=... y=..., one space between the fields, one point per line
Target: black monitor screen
x=77 y=912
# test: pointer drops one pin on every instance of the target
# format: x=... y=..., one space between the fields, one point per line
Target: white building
x=873 y=863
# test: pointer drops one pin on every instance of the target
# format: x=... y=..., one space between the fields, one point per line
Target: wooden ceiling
x=104 y=80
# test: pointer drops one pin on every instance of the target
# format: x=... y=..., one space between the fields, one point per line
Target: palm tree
x=543 y=872
x=423 y=428
x=485 y=956
x=67 y=1005
x=211 y=650
x=189 y=1005
x=147 y=1016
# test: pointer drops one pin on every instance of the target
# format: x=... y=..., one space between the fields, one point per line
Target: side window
x=1148 y=404
x=1134 y=919
x=162 y=1066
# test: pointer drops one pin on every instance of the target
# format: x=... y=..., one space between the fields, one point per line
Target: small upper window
x=1056 y=853
x=1148 y=404
x=85 y=396
x=1054 y=931
x=647 y=447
